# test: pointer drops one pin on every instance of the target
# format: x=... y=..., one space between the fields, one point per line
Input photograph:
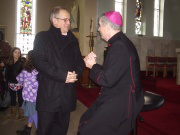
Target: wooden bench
x=157 y=63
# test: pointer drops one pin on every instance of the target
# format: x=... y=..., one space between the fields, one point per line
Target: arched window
x=120 y=6
x=25 y=28
x=158 y=17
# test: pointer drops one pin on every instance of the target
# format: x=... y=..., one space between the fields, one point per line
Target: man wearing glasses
x=58 y=59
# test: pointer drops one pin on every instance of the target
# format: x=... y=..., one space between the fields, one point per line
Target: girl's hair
x=11 y=57
x=29 y=62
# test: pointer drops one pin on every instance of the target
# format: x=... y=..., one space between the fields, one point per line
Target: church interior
x=156 y=38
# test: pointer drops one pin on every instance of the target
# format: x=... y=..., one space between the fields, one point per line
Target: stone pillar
x=178 y=66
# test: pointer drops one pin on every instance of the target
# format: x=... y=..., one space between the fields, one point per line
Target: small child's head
x=29 y=62
x=29 y=55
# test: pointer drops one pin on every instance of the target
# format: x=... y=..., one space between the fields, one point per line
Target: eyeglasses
x=65 y=19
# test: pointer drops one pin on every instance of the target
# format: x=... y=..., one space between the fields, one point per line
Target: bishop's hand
x=90 y=60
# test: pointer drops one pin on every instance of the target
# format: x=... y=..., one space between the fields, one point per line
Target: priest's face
x=62 y=21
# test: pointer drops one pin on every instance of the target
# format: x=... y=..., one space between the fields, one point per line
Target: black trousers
x=13 y=97
x=53 y=123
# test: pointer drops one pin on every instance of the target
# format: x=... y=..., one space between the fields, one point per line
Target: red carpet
x=164 y=86
x=164 y=121
x=87 y=95
x=169 y=89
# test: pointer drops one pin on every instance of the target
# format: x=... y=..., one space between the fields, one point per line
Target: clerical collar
x=65 y=34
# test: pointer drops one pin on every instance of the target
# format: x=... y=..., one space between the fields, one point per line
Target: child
x=28 y=77
x=14 y=67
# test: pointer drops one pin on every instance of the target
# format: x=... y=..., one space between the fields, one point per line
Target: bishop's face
x=62 y=21
x=103 y=31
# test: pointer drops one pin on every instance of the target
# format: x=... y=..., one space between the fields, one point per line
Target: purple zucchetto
x=114 y=17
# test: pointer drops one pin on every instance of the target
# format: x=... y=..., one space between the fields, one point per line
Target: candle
x=91 y=24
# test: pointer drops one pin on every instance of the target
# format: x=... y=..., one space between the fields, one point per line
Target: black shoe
x=3 y=108
x=35 y=132
x=25 y=131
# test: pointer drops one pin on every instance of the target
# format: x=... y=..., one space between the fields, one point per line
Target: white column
x=178 y=66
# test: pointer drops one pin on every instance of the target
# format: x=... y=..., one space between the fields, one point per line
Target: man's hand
x=71 y=77
x=90 y=60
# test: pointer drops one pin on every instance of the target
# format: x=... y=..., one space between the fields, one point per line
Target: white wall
x=43 y=9
x=81 y=4
x=130 y=30
x=102 y=6
x=87 y=10
x=148 y=17
x=172 y=19
x=7 y=18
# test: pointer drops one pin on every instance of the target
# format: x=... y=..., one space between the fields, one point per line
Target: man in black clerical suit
x=121 y=97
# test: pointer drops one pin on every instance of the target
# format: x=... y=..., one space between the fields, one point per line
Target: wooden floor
x=9 y=127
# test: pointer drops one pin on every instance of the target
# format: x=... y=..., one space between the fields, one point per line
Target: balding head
x=55 y=12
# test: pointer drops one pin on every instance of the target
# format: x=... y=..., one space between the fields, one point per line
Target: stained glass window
x=138 y=17
x=25 y=25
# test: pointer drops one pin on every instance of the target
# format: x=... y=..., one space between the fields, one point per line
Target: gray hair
x=55 y=12
x=104 y=20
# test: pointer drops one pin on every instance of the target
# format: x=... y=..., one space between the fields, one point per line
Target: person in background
x=5 y=50
x=14 y=67
x=2 y=83
x=28 y=78
x=58 y=59
x=121 y=98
